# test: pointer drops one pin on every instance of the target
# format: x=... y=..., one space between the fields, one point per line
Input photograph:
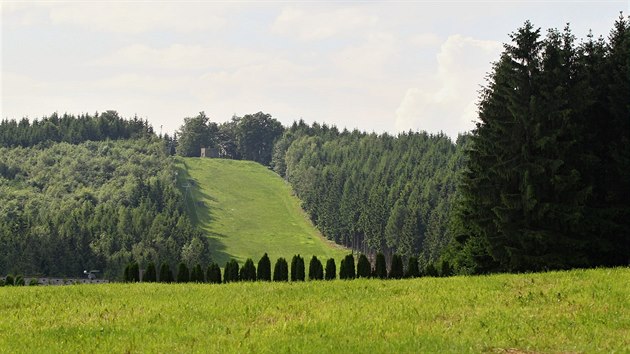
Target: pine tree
x=380 y=268
x=412 y=268
x=347 y=268
x=134 y=272
x=297 y=268
x=150 y=274
x=196 y=275
x=331 y=269
x=183 y=275
x=264 y=268
x=315 y=269
x=166 y=275
x=127 y=273
x=281 y=270
x=396 y=267
x=364 y=269
x=231 y=272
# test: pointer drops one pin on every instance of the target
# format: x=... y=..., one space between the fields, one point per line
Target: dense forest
x=543 y=182
x=65 y=208
x=547 y=182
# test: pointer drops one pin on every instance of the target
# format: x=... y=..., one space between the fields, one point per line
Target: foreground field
x=246 y=210
x=577 y=311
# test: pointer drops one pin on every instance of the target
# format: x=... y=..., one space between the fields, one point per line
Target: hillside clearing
x=247 y=210
x=575 y=311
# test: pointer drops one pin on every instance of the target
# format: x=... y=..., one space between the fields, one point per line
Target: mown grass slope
x=576 y=311
x=247 y=210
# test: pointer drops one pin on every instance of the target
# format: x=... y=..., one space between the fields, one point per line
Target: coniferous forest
x=542 y=183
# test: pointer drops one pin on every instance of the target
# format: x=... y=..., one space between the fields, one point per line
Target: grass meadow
x=558 y=312
x=247 y=210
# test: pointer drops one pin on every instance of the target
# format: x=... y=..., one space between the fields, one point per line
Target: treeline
x=97 y=205
x=71 y=129
x=250 y=137
x=547 y=181
x=374 y=193
x=349 y=269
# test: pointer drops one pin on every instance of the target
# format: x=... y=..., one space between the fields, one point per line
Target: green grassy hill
x=557 y=312
x=247 y=210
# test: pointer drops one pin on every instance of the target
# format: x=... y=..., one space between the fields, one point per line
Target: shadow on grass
x=200 y=213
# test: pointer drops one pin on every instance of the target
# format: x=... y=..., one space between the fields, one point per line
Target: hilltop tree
x=315 y=269
x=264 y=268
x=281 y=270
x=364 y=269
x=183 y=274
x=166 y=275
x=380 y=268
x=248 y=272
x=256 y=134
x=213 y=273
x=196 y=133
x=150 y=274
x=331 y=269
x=396 y=267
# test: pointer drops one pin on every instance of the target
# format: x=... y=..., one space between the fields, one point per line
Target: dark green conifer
x=364 y=269
x=150 y=274
x=9 y=280
x=248 y=272
x=231 y=272
x=183 y=274
x=214 y=273
x=315 y=269
x=281 y=270
x=196 y=275
x=396 y=267
x=297 y=268
x=264 y=268
x=166 y=275
x=331 y=269
x=380 y=267
x=412 y=268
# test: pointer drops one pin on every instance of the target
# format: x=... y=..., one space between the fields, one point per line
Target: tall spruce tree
x=166 y=275
x=231 y=271
x=413 y=271
x=248 y=272
x=183 y=274
x=214 y=273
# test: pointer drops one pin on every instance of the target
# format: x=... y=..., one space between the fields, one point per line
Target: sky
x=388 y=66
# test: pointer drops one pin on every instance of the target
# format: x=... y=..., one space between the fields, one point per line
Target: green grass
x=247 y=210
x=576 y=311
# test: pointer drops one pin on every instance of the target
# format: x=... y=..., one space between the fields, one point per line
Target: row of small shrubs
x=249 y=272
x=17 y=280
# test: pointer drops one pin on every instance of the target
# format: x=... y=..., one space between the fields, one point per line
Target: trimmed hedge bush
x=264 y=268
x=281 y=270
x=315 y=269
x=331 y=269
x=364 y=268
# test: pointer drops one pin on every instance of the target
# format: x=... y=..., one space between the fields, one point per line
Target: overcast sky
x=376 y=66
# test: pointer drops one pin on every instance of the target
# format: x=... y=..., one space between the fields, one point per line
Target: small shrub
x=230 y=273
x=9 y=280
x=150 y=274
x=297 y=268
x=396 y=268
x=347 y=270
x=196 y=274
x=430 y=270
x=264 y=268
x=412 y=268
x=331 y=269
x=380 y=267
x=315 y=269
x=19 y=280
x=214 y=273
x=134 y=272
x=183 y=275
x=33 y=282
x=248 y=272
x=166 y=275
x=281 y=270
x=364 y=268
x=2 y=283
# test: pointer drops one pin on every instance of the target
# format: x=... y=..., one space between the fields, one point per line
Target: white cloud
x=446 y=101
x=317 y=24
x=135 y=17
